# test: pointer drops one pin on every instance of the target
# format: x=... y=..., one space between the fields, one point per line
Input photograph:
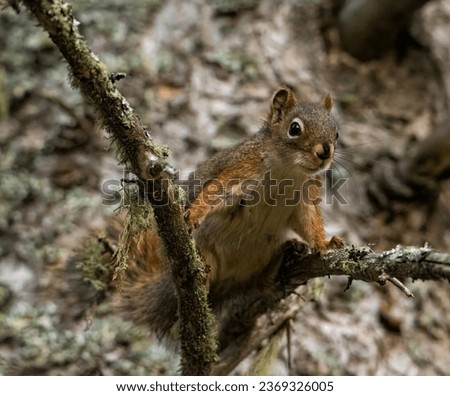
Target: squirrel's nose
x=323 y=151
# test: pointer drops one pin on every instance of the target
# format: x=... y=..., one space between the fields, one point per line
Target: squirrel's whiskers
x=241 y=241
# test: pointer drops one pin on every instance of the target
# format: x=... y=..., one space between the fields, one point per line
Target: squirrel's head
x=304 y=134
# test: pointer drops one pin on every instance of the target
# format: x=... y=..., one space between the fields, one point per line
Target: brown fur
x=239 y=237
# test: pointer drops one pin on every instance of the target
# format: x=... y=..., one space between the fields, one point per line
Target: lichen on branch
x=299 y=266
x=148 y=162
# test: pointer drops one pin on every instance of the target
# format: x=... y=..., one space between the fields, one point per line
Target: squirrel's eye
x=295 y=129
x=337 y=135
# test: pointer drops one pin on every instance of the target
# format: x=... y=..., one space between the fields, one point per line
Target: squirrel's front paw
x=335 y=243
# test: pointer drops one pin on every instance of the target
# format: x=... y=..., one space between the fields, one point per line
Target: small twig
x=114 y=77
x=267 y=325
x=289 y=343
x=349 y=283
x=400 y=285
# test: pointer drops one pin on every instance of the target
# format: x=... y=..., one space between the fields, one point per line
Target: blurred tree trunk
x=369 y=28
x=417 y=176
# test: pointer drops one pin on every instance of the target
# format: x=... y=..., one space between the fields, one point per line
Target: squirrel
x=243 y=205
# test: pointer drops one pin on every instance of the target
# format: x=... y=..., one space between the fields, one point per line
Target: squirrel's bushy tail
x=144 y=292
x=147 y=293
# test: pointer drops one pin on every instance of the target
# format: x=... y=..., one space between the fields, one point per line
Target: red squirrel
x=252 y=198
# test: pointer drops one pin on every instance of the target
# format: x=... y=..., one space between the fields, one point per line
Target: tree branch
x=148 y=161
x=266 y=326
x=359 y=263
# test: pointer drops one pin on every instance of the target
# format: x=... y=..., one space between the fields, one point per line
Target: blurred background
x=200 y=74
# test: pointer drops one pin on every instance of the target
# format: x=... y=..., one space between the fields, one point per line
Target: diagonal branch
x=148 y=161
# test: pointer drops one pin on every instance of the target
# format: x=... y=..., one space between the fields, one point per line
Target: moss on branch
x=359 y=263
x=148 y=161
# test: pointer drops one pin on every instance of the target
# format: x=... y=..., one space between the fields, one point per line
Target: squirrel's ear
x=283 y=100
x=327 y=102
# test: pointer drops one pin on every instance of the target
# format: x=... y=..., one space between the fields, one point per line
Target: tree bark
x=417 y=176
